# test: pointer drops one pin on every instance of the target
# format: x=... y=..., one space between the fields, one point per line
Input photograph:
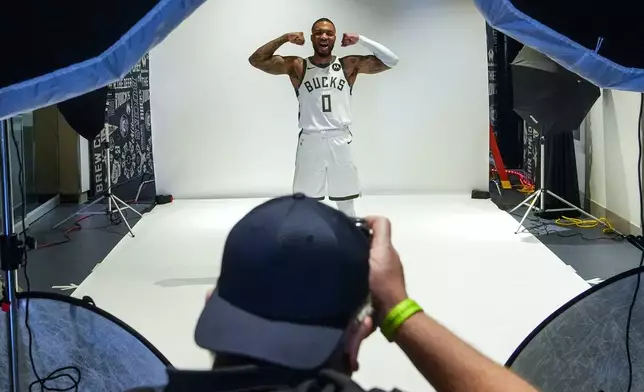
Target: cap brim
x=226 y=329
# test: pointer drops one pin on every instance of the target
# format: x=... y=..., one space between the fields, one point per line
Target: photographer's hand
x=446 y=361
x=386 y=278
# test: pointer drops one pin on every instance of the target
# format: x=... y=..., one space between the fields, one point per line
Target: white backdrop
x=224 y=129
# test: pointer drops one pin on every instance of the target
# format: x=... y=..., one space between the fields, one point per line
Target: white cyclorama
x=225 y=129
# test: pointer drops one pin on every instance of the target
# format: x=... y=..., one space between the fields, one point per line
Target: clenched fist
x=350 y=39
x=295 y=38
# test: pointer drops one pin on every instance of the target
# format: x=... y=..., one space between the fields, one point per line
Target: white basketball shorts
x=324 y=163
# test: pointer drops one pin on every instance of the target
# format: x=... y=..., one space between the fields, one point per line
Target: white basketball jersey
x=325 y=97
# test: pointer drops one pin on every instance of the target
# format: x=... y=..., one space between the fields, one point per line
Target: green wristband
x=397 y=317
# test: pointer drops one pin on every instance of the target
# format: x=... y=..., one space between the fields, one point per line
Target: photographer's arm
x=450 y=364
x=447 y=362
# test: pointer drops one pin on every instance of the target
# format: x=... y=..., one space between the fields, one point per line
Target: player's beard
x=324 y=52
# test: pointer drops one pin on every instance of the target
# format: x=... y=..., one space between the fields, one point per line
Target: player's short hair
x=320 y=21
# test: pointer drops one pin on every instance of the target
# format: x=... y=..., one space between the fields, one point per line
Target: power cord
x=67 y=234
x=608 y=231
x=58 y=373
x=543 y=225
x=639 y=275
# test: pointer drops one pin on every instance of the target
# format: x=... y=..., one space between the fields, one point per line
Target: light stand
x=10 y=259
x=542 y=192
x=112 y=199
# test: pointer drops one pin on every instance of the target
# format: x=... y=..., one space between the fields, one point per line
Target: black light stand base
x=554 y=215
x=636 y=241
x=480 y=195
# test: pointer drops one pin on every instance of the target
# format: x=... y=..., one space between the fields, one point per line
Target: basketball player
x=324 y=84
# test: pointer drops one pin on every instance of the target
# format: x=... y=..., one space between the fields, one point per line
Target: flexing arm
x=265 y=59
x=381 y=60
x=447 y=362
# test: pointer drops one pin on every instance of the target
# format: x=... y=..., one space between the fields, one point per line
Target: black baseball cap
x=294 y=275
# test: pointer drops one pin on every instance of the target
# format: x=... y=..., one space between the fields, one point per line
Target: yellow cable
x=585 y=223
x=526 y=189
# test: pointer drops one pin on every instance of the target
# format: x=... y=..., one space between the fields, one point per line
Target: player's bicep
x=276 y=65
x=281 y=65
x=370 y=65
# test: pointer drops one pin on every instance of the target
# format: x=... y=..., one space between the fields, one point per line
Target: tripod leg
x=125 y=205
x=561 y=199
x=498 y=188
x=79 y=212
x=526 y=201
x=129 y=228
x=538 y=194
x=143 y=184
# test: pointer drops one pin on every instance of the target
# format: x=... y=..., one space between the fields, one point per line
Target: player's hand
x=296 y=38
x=350 y=39
x=386 y=276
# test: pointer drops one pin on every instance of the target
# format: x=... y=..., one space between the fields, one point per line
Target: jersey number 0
x=326 y=103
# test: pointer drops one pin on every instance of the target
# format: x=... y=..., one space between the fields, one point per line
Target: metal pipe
x=542 y=162
x=108 y=164
x=9 y=266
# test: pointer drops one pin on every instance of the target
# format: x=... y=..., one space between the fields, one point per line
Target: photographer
x=292 y=308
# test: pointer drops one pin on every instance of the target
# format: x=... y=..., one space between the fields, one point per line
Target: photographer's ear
x=359 y=331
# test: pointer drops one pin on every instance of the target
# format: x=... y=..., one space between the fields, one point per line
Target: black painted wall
x=506 y=123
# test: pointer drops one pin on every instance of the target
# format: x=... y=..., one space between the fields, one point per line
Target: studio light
x=68 y=51
x=599 y=40
x=551 y=100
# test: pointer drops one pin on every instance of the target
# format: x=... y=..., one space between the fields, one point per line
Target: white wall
x=614 y=177
x=85 y=164
x=224 y=129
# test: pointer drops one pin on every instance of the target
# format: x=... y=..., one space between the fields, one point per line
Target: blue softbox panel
x=602 y=42
x=49 y=65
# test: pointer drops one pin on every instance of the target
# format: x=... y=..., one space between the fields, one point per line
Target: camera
x=363 y=226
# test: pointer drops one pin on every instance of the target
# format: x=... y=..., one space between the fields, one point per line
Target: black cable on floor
x=639 y=275
x=613 y=237
x=542 y=224
x=55 y=374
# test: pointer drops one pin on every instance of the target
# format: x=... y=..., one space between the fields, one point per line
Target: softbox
x=582 y=346
x=60 y=50
x=601 y=41
x=553 y=102
x=549 y=95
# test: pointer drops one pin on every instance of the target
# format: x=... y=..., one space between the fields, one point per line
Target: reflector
x=110 y=355
x=61 y=50
x=601 y=41
x=582 y=346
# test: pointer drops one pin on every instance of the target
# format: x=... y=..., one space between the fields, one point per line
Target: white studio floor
x=463 y=263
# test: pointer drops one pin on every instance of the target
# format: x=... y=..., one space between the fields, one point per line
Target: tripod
x=541 y=194
x=113 y=202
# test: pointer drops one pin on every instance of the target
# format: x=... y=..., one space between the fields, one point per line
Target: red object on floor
x=500 y=167
x=164 y=199
x=5 y=307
